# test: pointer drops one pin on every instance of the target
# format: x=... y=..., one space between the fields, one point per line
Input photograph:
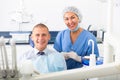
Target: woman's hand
x=72 y=55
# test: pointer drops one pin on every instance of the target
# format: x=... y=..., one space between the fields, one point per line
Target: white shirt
x=52 y=61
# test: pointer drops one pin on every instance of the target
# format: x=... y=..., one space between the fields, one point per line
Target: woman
x=74 y=40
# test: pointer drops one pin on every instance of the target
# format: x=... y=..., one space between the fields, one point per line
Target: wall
x=50 y=13
x=116 y=18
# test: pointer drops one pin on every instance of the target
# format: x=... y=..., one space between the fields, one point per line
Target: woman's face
x=71 y=20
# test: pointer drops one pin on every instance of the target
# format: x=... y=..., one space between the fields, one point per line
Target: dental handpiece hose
x=13 y=52
x=2 y=56
x=5 y=67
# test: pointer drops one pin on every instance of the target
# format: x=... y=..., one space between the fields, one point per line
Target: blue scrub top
x=63 y=43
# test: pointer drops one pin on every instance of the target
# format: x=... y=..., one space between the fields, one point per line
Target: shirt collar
x=36 y=51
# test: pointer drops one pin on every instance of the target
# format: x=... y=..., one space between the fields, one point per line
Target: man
x=44 y=60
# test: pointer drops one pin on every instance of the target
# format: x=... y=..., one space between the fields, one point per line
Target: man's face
x=40 y=37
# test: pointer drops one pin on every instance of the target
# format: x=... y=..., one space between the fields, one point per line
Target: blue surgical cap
x=74 y=10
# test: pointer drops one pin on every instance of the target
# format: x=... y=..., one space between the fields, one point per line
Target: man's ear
x=31 y=36
x=49 y=36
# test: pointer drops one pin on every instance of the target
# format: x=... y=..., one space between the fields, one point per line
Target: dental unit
x=6 y=70
x=106 y=69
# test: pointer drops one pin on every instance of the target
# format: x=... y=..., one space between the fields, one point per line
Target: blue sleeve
x=58 y=42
